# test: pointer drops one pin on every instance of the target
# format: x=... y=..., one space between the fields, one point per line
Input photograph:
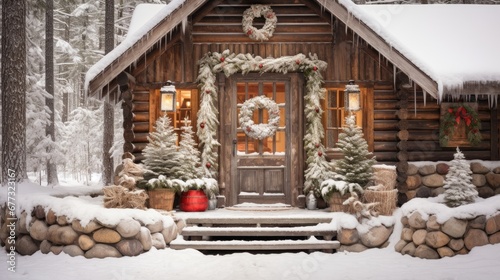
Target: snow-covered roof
x=453 y=47
x=453 y=44
x=144 y=19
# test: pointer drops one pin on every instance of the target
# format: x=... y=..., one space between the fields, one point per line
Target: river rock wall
x=48 y=232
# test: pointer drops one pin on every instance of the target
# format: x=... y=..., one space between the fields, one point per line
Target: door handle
x=235 y=142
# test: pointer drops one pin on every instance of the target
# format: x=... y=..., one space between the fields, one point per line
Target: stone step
x=237 y=245
x=317 y=230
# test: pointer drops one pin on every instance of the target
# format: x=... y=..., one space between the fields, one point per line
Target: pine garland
x=229 y=63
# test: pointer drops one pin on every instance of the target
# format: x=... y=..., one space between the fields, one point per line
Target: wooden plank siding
x=303 y=27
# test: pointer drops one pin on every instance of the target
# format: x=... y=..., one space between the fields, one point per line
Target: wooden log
x=403 y=104
x=141 y=127
x=384 y=95
x=385 y=115
x=127 y=96
x=128 y=136
x=128 y=147
x=385 y=156
x=138 y=147
x=381 y=146
x=141 y=96
x=402 y=114
x=125 y=78
x=403 y=125
x=423 y=125
x=385 y=105
x=141 y=137
x=401 y=178
x=127 y=117
x=140 y=107
x=424 y=114
x=402 y=167
x=385 y=136
x=403 y=135
x=380 y=125
x=141 y=117
x=402 y=145
x=139 y=157
x=402 y=187
x=402 y=198
x=402 y=156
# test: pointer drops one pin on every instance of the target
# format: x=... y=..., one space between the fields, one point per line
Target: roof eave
x=384 y=48
x=141 y=46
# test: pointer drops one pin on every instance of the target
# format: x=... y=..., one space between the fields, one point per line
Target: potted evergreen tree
x=162 y=163
x=354 y=170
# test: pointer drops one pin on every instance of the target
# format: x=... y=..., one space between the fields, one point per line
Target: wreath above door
x=256 y=11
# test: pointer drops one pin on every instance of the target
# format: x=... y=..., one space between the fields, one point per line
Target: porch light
x=167 y=93
x=352 y=97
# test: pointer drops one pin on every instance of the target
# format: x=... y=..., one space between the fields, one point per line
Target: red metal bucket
x=193 y=201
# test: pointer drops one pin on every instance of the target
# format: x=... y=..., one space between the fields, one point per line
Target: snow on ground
x=481 y=263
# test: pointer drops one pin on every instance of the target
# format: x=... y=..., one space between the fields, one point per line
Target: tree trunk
x=108 y=114
x=107 y=143
x=49 y=87
x=13 y=90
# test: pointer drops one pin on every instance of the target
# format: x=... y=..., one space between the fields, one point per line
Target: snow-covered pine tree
x=356 y=164
x=191 y=165
x=458 y=186
x=162 y=156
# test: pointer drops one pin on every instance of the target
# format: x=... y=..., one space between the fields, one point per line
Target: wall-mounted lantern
x=167 y=93
x=352 y=97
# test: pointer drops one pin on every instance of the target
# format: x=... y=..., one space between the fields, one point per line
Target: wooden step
x=258 y=221
x=236 y=245
x=261 y=231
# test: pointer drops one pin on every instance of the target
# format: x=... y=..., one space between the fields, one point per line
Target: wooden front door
x=265 y=170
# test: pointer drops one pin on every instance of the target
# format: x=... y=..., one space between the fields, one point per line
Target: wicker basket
x=385 y=175
x=161 y=199
x=336 y=203
x=387 y=200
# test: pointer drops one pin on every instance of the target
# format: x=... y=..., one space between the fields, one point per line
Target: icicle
x=425 y=97
x=415 y=98
x=394 y=75
x=379 y=61
x=184 y=24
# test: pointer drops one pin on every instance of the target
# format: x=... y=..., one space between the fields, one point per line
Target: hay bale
x=121 y=197
x=385 y=175
x=387 y=200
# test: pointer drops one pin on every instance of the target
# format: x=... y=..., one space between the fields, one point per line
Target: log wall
x=397 y=133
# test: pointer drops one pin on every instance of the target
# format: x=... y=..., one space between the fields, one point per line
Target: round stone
x=106 y=235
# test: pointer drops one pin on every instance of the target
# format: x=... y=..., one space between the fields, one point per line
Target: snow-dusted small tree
x=162 y=156
x=458 y=186
x=190 y=166
x=356 y=164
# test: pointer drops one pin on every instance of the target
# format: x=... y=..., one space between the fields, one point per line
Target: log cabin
x=410 y=63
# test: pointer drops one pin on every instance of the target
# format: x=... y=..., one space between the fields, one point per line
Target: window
x=186 y=107
x=334 y=115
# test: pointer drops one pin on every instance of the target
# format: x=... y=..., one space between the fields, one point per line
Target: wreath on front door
x=267 y=30
x=261 y=130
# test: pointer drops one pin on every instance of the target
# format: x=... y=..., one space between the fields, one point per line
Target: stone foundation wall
x=428 y=180
x=49 y=232
x=428 y=239
x=352 y=240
